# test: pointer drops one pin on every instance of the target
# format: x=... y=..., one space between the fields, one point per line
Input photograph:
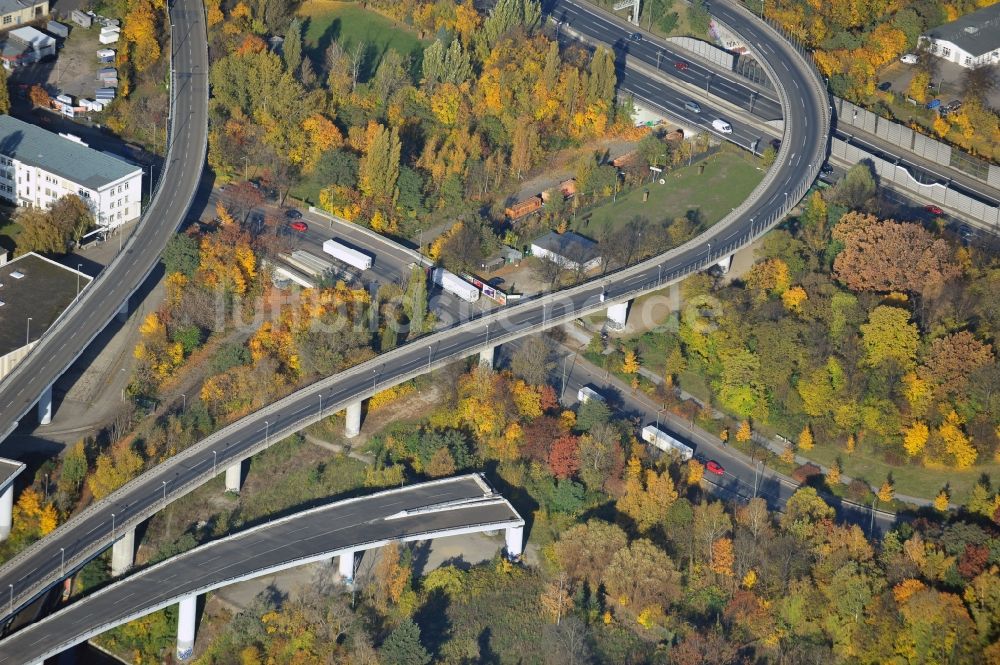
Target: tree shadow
x=435 y=625
x=518 y=497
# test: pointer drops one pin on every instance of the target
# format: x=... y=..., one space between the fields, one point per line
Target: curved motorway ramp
x=807 y=121
x=81 y=323
x=418 y=512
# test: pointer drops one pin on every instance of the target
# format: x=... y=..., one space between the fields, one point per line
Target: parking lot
x=74 y=71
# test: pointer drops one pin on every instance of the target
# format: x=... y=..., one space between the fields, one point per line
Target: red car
x=301 y=227
x=715 y=467
x=681 y=65
x=934 y=210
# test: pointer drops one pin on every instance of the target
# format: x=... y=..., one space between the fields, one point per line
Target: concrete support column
x=617 y=315
x=352 y=424
x=234 y=477
x=725 y=263
x=45 y=407
x=486 y=356
x=6 y=511
x=515 y=541
x=347 y=566
x=123 y=311
x=123 y=554
x=186 y=615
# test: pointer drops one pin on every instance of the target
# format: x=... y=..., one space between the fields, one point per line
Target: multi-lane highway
x=82 y=322
x=437 y=508
x=806 y=128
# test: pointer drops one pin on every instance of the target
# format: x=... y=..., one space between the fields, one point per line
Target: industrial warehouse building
x=970 y=41
x=34 y=291
x=38 y=167
x=569 y=250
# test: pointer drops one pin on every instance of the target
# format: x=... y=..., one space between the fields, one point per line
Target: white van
x=909 y=58
x=721 y=125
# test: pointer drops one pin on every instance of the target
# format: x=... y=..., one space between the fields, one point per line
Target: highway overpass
x=806 y=112
x=447 y=507
x=31 y=381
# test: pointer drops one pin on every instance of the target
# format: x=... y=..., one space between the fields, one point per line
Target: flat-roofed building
x=38 y=168
x=569 y=250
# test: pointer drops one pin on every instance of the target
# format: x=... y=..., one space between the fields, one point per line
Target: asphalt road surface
x=40 y=566
x=83 y=321
x=305 y=536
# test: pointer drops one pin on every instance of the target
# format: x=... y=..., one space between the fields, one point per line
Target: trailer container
x=455 y=285
x=348 y=255
x=660 y=439
x=586 y=393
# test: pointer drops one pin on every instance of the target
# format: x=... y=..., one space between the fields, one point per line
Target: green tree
x=4 y=93
x=590 y=413
x=889 y=335
x=378 y=170
x=856 y=188
x=181 y=255
x=403 y=646
x=291 y=49
x=415 y=301
x=602 y=77
x=699 y=18
x=74 y=469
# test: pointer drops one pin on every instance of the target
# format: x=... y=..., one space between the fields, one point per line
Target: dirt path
x=562 y=164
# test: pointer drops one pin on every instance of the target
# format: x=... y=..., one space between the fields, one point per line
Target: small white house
x=569 y=250
x=26 y=46
x=970 y=41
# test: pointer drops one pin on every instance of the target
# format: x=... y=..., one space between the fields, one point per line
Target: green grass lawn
x=8 y=228
x=327 y=21
x=727 y=179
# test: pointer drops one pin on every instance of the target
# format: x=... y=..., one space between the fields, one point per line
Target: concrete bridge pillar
x=123 y=311
x=617 y=315
x=123 y=553
x=45 y=407
x=725 y=263
x=234 y=477
x=515 y=541
x=6 y=511
x=486 y=356
x=186 y=615
x=352 y=424
x=347 y=566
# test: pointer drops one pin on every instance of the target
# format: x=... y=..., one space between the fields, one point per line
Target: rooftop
x=977 y=33
x=43 y=290
x=65 y=158
x=30 y=35
x=8 y=6
x=568 y=245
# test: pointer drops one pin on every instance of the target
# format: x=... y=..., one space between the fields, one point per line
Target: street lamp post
x=756 y=470
x=27 y=333
x=215 y=462
x=112 y=526
x=164 y=491
x=320 y=404
x=374 y=379
x=708 y=81
x=267 y=428
x=78 y=266
x=428 y=357
x=62 y=561
x=11 y=598
x=658 y=416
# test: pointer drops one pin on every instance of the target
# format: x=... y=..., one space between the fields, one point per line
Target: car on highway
x=681 y=66
x=299 y=226
x=714 y=467
x=692 y=106
x=885 y=86
x=636 y=36
x=909 y=58
x=722 y=126
x=292 y=213
x=933 y=209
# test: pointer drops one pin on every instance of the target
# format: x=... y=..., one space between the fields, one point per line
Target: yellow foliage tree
x=788 y=455
x=851 y=443
x=630 y=364
x=941 y=501
x=956 y=442
x=886 y=492
x=743 y=434
x=833 y=474
x=806 y=439
x=902 y=591
x=113 y=469
x=749 y=579
x=141 y=31
x=527 y=399
x=793 y=298
x=722 y=557
x=915 y=438
x=695 y=472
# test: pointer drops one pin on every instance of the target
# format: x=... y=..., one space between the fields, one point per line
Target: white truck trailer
x=586 y=393
x=660 y=439
x=455 y=285
x=348 y=255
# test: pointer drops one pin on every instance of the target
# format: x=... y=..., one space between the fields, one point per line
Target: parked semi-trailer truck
x=657 y=437
x=455 y=285
x=586 y=393
x=348 y=255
